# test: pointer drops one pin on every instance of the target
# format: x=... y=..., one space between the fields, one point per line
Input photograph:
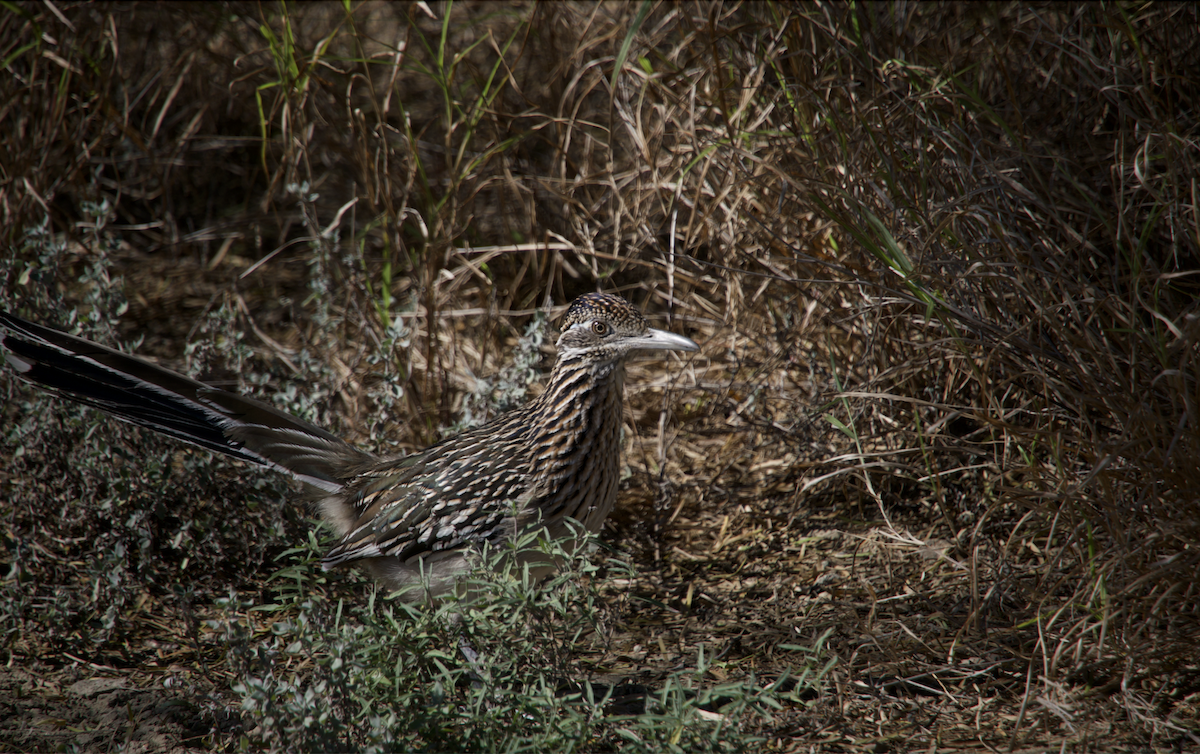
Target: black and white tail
x=137 y=391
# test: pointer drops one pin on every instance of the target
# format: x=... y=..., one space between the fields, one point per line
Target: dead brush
x=1026 y=292
x=940 y=259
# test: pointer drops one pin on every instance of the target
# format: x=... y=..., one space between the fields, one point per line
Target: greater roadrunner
x=414 y=519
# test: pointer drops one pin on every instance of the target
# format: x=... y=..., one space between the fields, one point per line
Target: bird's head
x=604 y=328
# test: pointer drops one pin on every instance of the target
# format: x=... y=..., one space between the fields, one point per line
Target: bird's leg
x=469 y=653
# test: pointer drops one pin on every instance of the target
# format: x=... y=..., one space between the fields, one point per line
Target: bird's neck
x=575 y=428
x=579 y=386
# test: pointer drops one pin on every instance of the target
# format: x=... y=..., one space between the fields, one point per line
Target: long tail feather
x=138 y=391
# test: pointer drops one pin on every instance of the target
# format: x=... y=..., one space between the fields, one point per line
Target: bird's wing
x=468 y=490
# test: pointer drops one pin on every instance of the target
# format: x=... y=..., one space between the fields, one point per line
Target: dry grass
x=941 y=260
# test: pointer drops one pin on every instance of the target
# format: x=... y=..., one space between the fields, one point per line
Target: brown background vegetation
x=941 y=261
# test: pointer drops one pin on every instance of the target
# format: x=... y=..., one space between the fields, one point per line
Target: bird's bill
x=661 y=340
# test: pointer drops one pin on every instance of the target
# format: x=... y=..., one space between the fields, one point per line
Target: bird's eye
x=600 y=328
